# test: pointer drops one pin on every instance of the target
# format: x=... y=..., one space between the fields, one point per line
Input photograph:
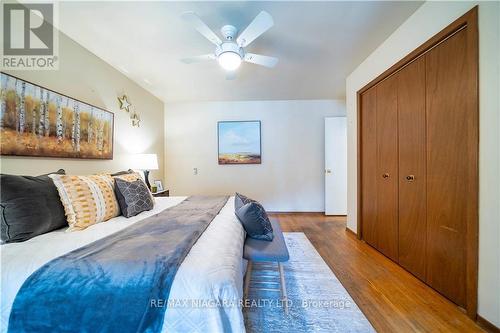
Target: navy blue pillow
x=240 y=200
x=254 y=219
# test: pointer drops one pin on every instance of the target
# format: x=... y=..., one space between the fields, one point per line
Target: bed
x=210 y=275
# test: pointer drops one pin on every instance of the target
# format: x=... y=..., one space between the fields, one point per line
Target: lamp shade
x=144 y=162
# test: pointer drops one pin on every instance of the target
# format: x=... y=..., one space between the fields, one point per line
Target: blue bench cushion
x=259 y=250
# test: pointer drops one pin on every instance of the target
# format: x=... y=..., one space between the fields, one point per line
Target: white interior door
x=335 y=166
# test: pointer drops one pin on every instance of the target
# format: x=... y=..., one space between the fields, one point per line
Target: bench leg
x=283 y=288
x=248 y=275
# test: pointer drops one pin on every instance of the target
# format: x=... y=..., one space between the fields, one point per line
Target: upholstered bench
x=260 y=251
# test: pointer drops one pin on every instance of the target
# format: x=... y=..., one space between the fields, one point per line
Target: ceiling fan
x=230 y=51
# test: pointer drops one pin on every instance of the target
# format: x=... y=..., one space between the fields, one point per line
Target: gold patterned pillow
x=129 y=177
x=87 y=200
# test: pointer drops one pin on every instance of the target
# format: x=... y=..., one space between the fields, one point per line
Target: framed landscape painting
x=239 y=142
x=36 y=121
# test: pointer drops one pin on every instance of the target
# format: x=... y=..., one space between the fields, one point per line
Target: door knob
x=385 y=175
x=410 y=178
x=328 y=171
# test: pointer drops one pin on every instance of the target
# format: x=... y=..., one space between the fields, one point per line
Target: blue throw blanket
x=108 y=285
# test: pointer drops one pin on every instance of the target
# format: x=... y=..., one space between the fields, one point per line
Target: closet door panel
x=448 y=145
x=387 y=167
x=412 y=167
x=369 y=166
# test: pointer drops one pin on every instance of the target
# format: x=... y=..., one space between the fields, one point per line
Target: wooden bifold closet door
x=387 y=167
x=394 y=187
x=412 y=168
x=451 y=156
x=418 y=142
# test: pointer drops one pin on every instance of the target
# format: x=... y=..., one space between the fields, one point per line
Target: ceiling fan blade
x=262 y=60
x=199 y=58
x=230 y=75
x=202 y=28
x=257 y=27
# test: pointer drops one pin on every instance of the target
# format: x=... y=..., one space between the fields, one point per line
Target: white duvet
x=211 y=274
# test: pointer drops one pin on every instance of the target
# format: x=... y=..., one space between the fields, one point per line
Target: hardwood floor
x=392 y=299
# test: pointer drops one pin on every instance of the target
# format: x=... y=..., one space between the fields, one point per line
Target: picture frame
x=159 y=185
x=239 y=142
x=40 y=122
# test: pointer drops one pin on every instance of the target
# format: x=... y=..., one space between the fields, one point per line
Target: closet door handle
x=385 y=175
x=410 y=178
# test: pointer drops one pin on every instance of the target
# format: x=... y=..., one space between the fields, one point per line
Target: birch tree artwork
x=41 y=118
x=100 y=134
x=3 y=99
x=22 y=111
x=46 y=120
x=73 y=125
x=36 y=121
x=59 y=121
x=90 y=129
x=33 y=117
x=77 y=126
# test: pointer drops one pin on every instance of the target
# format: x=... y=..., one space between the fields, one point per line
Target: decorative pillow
x=29 y=207
x=87 y=200
x=133 y=197
x=240 y=200
x=120 y=173
x=129 y=176
x=255 y=221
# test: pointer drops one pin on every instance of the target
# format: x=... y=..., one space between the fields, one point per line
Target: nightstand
x=164 y=193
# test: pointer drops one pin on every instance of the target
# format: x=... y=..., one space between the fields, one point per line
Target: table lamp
x=145 y=162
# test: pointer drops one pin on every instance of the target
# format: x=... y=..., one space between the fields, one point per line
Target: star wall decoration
x=135 y=120
x=124 y=104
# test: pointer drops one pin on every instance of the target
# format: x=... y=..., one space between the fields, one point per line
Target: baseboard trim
x=486 y=325
x=282 y=212
x=351 y=232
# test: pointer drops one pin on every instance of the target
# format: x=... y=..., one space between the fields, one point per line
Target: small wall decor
x=36 y=121
x=124 y=104
x=134 y=117
x=239 y=142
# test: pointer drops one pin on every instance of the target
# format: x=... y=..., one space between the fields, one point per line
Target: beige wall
x=428 y=20
x=291 y=176
x=86 y=77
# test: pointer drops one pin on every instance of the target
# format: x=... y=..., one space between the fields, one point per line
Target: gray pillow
x=120 y=173
x=240 y=200
x=30 y=206
x=255 y=221
x=133 y=197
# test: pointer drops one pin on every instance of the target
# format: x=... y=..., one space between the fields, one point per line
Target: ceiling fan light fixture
x=229 y=51
x=229 y=60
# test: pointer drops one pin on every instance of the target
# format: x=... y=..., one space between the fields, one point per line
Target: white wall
x=86 y=77
x=291 y=176
x=428 y=20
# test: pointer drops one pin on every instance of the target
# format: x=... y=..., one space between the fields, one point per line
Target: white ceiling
x=318 y=44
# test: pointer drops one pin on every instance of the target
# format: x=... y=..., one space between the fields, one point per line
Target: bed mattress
x=206 y=290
